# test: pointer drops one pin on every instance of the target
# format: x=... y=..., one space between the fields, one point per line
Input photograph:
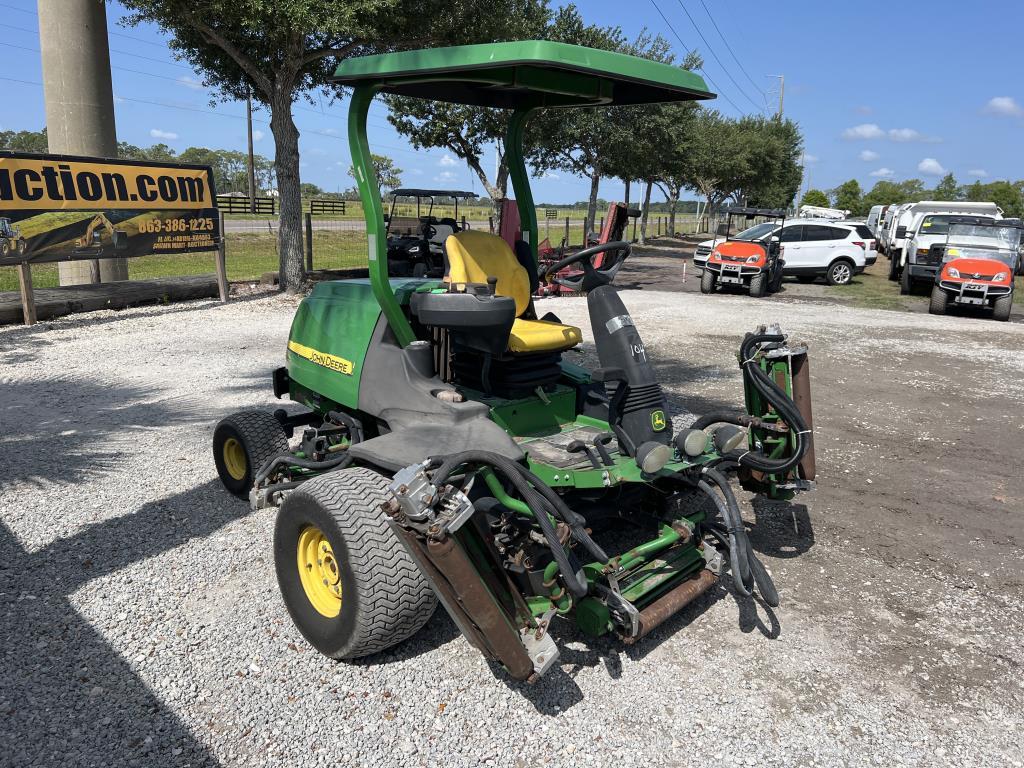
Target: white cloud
x=157 y=133
x=445 y=176
x=868 y=156
x=863 y=131
x=550 y=175
x=883 y=173
x=931 y=167
x=1006 y=106
x=331 y=131
x=258 y=135
x=447 y=161
x=190 y=82
x=904 y=134
x=978 y=173
x=863 y=109
x=808 y=159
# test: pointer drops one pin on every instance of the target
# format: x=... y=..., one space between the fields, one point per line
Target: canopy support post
x=520 y=178
x=373 y=212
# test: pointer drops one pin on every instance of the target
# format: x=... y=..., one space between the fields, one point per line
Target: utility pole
x=79 y=102
x=782 y=91
x=252 y=159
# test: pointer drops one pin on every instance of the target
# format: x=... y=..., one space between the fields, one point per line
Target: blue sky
x=880 y=89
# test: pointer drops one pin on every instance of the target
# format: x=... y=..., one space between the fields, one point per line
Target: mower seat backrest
x=473 y=256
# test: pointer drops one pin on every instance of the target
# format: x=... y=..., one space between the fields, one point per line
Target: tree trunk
x=286 y=167
x=588 y=224
x=626 y=200
x=673 y=202
x=645 y=212
x=499 y=188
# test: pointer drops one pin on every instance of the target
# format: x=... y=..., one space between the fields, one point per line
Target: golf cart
x=416 y=243
x=978 y=261
x=751 y=260
x=445 y=449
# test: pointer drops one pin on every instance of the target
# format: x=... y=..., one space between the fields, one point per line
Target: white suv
x=811 y=248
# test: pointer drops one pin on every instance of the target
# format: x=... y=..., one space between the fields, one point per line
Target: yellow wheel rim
x=234 y=458
x=319 y=571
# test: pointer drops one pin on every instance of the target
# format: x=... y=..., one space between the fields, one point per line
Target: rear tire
x=242 y=443
x=1001 y=307
x=906 y=284
x=840 y=272
x=707 y=281
x=758 y=285
x=939 y=301
x=894 y=268
x=373 y=595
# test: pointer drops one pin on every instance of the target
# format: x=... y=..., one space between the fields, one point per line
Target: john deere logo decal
x=658 y=420
x=331 y=362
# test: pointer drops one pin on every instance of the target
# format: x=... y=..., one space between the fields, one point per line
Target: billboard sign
x=62 y=208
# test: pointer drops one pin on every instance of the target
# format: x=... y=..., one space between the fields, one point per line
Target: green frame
x=521 y=76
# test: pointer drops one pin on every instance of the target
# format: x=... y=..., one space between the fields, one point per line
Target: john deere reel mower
x=444 y=448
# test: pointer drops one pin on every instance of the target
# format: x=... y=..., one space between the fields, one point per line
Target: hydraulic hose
x=567 y=563
x=749 y=570
x=294 y=461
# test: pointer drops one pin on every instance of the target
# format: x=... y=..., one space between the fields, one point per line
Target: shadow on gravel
x=66 y=696
x=783 y=529
x=60 y=431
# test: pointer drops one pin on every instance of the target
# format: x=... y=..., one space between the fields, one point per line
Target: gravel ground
x=141 y=622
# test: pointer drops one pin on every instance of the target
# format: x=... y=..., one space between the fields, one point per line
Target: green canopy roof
x=531 y=73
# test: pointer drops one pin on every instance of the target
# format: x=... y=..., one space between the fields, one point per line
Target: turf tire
x=1001 y=307
x=707 y=281
x=260 y=435
x=759 y=285
x=938 y=302
x=385 y=597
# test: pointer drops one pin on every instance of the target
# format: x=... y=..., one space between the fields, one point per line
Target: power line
x=112 y=50
x=685 y=48
x=109 y=32
x=733 y=53
x=715 y=55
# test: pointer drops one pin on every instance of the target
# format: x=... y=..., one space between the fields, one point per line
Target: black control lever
x=600 y=441
x=578 y=446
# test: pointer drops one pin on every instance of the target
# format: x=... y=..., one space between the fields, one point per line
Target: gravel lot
x=141 y=622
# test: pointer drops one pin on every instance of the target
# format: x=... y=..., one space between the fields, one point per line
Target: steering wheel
x=592 y=276
x=429 y=232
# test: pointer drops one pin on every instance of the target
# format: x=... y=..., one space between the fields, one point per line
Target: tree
x=281 y=50
x=771 y=172
x=389 y=176
x=946 y=189
x=815 y=197
x=25 y=141
x=848 y=197
x=310 y=190
x=716 y=159
x=1004 y=194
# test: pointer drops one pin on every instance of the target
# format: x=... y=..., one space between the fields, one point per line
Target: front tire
x=758 y=285
x=906 y=285
x=347 y=582
x=839 y=273
x=242 y=443
x=894 y=268
x=1001 y=307
x=939 y=301
x=707 y=281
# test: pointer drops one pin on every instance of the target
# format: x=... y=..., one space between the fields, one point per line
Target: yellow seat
x=473 y=256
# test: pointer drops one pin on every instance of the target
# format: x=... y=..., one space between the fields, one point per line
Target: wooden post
x=309 y=241
x=567 y=230
x=28 y=298
x=221 y=259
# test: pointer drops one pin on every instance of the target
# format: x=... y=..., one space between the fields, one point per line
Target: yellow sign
x=51 y=183
x=337 y=364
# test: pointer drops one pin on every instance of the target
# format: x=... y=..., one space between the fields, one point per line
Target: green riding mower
x=446 y=450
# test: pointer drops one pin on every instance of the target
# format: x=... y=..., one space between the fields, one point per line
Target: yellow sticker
x=331 y=362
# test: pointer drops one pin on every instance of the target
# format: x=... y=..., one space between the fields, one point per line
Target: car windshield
x=939 y=225
x=756 y=232
x=976 y=241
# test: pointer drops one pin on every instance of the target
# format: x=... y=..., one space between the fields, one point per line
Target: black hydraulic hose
x=571 y=572
x=575 y=521
x=736 y=552
x=286 y=458
x=754 y=572
x=717 y=416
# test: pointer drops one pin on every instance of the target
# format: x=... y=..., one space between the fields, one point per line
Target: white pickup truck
x=922 y=226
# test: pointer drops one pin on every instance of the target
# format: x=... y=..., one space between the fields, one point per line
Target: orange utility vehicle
x=754 y=265
x=979 y=260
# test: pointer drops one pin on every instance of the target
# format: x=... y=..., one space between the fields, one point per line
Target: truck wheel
x=894 y=268
x=1001 y=307
x=906 y=286
x=939 y=301
x=707 y=281
x=840 y=272
x=241 y=443
x=758 y=285
x=5 y=247
x=348 y=583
